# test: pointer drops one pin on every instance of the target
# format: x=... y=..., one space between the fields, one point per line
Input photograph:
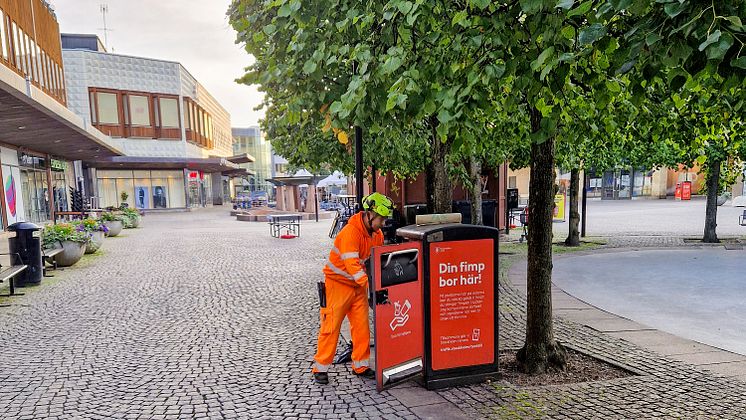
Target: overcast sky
x=195 y=33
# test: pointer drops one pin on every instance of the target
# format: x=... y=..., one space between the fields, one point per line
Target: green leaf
x=566 y=57
x=739 y=62
x=295 y=5
x=652 y=39
x=459 y=18
x=284 y=10
x=405 y=7
x=718 y=50
x=736 y=21
x=582 y=9
x=531 y=6
x=270 y=29
x=536 y=64
x=714 y=37
x=675 y=8
x=391 y=64
x=564 y=4
x=621 y=4
x=309 y=67
x=613 y=86
x=481 y=4
x=591 y=34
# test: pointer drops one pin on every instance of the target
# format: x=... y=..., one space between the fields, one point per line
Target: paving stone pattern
x=198 y=316
x=192 y=316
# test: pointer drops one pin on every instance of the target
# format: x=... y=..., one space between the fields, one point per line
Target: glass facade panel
x=108 y=109
x=107 y=192
x=146 y=189
x=169 y=113
x=35 y=195
x=139 y=111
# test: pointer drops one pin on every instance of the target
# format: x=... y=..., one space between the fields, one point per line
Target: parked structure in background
x=39 y=137
x=175 y=135
x=618 y=184
x=251 y=141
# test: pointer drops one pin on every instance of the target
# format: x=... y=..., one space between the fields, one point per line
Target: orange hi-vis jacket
x=351 y=248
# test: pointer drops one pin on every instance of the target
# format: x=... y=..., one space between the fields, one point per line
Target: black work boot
x=367 y=373
x=321 y=378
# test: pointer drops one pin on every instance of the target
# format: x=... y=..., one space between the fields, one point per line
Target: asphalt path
x=699 y=294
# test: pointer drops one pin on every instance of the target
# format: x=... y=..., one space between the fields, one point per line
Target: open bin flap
x=397 y=312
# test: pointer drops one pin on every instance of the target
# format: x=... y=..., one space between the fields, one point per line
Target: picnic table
x=289 y=222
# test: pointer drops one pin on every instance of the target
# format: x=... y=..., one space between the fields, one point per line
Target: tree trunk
x=437 y=182
x=711 y=214
x=475 y=174
x=573 y=237
x=541 y=350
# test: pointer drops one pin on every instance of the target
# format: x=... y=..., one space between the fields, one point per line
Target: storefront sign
x=397 y=273
x=58 y=165
x=462 y=319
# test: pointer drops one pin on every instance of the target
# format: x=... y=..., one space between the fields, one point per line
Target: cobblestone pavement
x=199 y=316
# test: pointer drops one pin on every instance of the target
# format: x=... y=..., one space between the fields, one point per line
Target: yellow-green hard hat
x=379 y=203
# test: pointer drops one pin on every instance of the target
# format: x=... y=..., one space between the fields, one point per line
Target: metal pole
x=359 y=166
x=585 y=200
x=316 y=200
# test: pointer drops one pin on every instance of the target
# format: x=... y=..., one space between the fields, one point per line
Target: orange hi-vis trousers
x=342 y=301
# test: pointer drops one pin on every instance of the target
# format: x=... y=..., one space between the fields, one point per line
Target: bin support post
x=585 y=199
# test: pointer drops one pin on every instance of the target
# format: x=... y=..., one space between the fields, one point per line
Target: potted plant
x=132 y=216
x=95 y=231
x=124 y=197
x=69 y=238
x=112 y=222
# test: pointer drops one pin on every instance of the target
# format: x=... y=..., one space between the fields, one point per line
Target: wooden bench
x=290 y=222
x=8 y=274
x=48 y=258
x=742 y=219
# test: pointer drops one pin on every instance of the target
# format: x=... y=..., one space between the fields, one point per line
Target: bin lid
x=450 y=231
x=23 y=226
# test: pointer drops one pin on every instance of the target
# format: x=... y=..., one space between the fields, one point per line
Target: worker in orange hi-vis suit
x=344 y=293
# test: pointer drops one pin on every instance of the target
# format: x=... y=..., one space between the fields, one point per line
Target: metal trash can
x=27 y=245
x=460 y=296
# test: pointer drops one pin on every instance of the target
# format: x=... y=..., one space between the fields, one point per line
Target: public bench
x=8 y=274
x=289 y=222
x=48 y=258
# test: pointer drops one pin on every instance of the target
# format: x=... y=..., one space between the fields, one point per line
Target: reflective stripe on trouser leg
x=338 y=299
x=318 y=367
x=360 y=330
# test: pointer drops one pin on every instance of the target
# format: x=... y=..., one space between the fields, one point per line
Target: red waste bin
x=686 y=190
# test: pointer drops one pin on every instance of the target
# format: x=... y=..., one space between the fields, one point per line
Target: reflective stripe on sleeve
x=348 y=255
x=357 y=276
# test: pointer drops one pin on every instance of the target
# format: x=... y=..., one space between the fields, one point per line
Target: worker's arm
x=350 y=254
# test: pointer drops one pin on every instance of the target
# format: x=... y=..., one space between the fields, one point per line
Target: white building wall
x=84 y=69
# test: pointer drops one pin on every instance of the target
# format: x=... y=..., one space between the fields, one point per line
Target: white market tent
x=337 y=178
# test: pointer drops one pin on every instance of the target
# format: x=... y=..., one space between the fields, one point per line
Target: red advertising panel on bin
x=398 y=312
x=462 y=313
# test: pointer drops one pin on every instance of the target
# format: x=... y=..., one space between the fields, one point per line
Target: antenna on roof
x=104 y=10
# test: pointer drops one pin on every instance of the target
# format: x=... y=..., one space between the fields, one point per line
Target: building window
x=139 y=110
x=108 y=109
x=3 y=39
x=511 y=182
x=92 y=100
x=169 y=113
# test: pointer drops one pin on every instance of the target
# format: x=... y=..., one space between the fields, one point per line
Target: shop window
x=139 y=110
x=108 y=109
x=169 y=113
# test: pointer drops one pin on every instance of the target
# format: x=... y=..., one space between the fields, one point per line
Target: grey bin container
x=27 y=245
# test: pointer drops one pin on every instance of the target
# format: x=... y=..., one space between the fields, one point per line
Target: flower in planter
x=92 y=225
x=52 y=235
